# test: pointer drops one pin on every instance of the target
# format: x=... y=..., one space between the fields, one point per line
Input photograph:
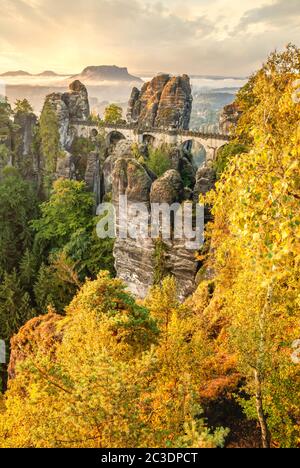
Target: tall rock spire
x=164 y=101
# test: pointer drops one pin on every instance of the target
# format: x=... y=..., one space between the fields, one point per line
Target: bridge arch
x=148 y=139
x=217 y=152
x=187 y=145
x=221 y=146
x=114 y=137
x=94 y=132
x=196 y=149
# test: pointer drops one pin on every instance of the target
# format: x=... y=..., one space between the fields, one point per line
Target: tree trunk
x=260 y=412
x=259 y=370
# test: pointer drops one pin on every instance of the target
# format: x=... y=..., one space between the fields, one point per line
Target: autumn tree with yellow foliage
x=112 y=380
x=255 y=238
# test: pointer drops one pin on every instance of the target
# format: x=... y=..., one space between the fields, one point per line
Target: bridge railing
x=89 y=123
x=194 y=133
x=145 y=130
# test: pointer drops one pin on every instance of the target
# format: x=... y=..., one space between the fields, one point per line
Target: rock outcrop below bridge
x=136 y=259
x=164 y=102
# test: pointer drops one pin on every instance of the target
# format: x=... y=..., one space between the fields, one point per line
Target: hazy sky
x=230 y=37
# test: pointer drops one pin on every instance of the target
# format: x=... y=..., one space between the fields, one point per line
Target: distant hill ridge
x=90 y=73
x=16 y=73
x=24 y=73
x=48 y=73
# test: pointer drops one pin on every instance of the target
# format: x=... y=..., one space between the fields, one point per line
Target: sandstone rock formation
x=131 y=179
x=178 y=260
x=63 y=118
x=26 y=125
x=181 y=263
x=65 y=166
x=77 y=101
x=164 y=101
x=168 y=188
x=205 y=181
x=92 y=172
x=134 y=256
x=17 y=137
x=229 y=118
x=68 y=106
x=122 y=149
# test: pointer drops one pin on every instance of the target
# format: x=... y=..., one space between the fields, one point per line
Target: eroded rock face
x=182 y=266
x=92 y=175
x=180 y=261
x=229 y=118
x=134 y=257
x=134 y=105
x=164 y=101
x=73 y=104
x=77 y=101
x=205 y=181
x=65 y=166
x=63 y=118
x=24 y=157
x=26 y=127
x=175 y=104
x=131 y=179
x=122 y=149
x=168 y=188
x=69 y=106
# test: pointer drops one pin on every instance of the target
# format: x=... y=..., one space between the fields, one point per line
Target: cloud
x=276 y=14
x=201 y=36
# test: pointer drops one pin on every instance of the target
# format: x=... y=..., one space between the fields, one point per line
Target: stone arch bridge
x=211 y=142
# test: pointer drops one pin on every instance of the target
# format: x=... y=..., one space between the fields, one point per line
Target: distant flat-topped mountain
x=90 y=74
x=106 y=73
